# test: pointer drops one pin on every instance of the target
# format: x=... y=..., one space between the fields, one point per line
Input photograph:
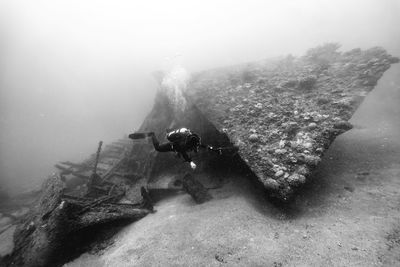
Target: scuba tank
x=178 y=135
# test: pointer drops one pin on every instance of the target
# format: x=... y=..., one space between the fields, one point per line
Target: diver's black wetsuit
x=181 y=146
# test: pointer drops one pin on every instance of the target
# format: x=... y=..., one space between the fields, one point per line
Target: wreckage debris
x=194 y=188
x=147 y=200
x=67 y=209
x=57 y=217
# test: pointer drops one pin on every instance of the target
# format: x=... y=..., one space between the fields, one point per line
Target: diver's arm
x=186 y=157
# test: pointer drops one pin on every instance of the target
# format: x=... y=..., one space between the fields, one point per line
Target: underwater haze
x=73 y=73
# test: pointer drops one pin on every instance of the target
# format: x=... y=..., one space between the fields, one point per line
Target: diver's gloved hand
x=192 y=165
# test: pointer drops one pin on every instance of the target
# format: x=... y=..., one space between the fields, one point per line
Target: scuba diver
x=180 y=140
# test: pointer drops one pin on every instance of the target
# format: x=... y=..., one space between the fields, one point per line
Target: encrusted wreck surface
x=284 y=114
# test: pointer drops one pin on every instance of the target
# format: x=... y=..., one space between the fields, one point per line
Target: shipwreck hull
x=284 y=114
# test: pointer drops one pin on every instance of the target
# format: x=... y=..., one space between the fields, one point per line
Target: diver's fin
x=140 y=135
